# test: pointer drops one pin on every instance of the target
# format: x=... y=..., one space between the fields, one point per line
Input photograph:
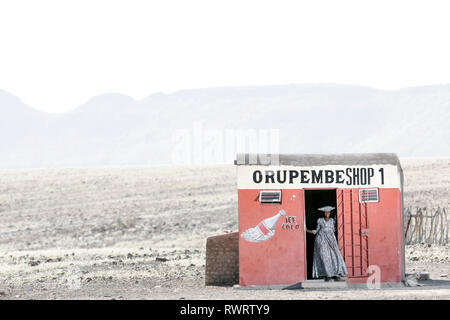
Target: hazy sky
x=55 y=55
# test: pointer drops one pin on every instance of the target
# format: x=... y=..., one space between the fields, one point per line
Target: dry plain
x=96 y=233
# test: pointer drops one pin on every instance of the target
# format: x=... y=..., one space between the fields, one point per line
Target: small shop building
x=279 y=197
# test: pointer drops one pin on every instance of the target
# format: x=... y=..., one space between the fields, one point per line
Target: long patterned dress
x=328 y=261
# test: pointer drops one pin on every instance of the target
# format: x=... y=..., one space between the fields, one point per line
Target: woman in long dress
x=328 y=261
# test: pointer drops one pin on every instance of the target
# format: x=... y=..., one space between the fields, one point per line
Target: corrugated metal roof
x=318 y=159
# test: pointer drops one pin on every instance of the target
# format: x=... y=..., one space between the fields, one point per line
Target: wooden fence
x=424 y=225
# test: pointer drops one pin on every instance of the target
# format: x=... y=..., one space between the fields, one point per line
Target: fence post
x=422 y=227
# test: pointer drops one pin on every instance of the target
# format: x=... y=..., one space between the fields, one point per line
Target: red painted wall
x=281 y=259
x=385 y=235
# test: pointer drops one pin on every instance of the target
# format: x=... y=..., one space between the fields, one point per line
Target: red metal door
x=353 y=232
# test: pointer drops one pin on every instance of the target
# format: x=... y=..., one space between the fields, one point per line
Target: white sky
x=55 y=55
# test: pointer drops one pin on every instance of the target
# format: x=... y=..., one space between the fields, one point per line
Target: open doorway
x=315 y=199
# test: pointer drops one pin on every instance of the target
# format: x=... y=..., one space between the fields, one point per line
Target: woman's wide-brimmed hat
x=327 y=208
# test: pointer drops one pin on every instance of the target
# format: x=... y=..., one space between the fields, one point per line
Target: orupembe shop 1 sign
x=339 y=176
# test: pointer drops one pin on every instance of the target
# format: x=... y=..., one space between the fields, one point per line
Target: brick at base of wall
x=222 y=260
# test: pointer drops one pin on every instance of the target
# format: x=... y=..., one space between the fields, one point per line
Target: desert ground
x=140 y=233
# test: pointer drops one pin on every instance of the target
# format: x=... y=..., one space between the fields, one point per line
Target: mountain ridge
x=425 y=88
x=116 y=129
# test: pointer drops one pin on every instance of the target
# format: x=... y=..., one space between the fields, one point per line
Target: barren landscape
x=140 y=233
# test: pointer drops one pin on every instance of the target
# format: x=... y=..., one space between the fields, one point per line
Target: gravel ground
x=139 y=233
